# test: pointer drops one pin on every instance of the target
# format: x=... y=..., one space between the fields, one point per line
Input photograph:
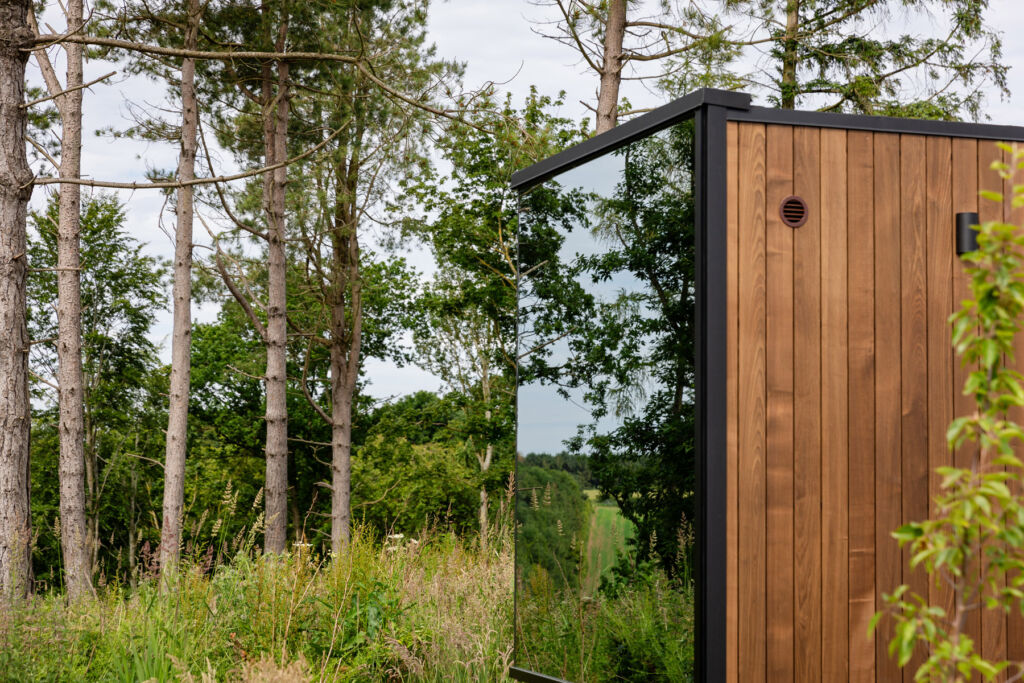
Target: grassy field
x=608 y=533
x=435 y=609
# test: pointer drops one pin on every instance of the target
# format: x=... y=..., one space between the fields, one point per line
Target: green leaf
x=873 y=624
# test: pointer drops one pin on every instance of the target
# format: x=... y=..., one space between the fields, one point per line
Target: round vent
x=793 y=211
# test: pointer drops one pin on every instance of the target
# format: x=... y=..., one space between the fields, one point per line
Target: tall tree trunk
x=342 y=394
x=15 y=190
x=77 y=466
x=132 y=518
x=611 y=68
x=346 y=346
x=92 y=485
x=488 y=455
x=70 y=382
x=275 y=141
x=181 y=335
x=789 y=55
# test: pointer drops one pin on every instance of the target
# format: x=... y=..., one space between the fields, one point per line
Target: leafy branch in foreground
x=973 y=547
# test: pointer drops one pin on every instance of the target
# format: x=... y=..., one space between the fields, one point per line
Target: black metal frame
x=712 y=110
x=712 y=326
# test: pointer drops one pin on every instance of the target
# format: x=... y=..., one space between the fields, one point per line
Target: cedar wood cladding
x=841 y=383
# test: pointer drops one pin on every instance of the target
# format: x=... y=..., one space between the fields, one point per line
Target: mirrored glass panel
x=605 y=472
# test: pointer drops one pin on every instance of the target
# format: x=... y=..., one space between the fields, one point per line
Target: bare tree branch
x=44 y=380
x=232 y=287
x=41 y=150
x=305 y=387
x=259 y=378
x=220 y=192
x=226 y=55
x=45 y=66
x=47 y=180
x=65 y=92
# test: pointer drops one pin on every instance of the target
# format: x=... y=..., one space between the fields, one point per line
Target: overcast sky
x=496 y=40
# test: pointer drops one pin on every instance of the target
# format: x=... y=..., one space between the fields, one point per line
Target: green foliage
x=403 y=487
x=840 y=55
x=573 y=463
x=979 y=514
x=467 y=332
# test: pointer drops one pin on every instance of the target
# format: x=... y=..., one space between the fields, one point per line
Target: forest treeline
x=356 y=142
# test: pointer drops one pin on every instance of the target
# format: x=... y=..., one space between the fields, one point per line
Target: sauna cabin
x=735 y=376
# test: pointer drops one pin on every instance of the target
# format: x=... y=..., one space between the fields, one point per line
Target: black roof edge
x=644 y=125
x=879 y=124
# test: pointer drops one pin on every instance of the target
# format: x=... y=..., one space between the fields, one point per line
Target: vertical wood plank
x=1014 y=620
x=807 y=409
x=835 y=660
x=751 y=404
x=861 y=349
x=993 y=622
x=888 y=474
x=941 y=237
x=732 y=411
x=965 y=198
x=914 y=346
x=779 y=308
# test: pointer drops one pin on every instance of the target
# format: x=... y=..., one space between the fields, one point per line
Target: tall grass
x=645 y=633
x=431 y=609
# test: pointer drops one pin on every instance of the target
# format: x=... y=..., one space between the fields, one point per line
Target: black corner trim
x=711 y=185
x=531 y=677
x=878 y=124
x=642 y=126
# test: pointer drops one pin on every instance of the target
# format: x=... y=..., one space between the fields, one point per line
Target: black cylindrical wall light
x=966 y=235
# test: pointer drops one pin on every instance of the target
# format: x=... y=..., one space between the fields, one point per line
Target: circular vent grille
x=793 y=211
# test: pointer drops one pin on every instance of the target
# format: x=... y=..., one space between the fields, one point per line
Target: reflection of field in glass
x=643 y=634
x=638 y=629
x=606 y=538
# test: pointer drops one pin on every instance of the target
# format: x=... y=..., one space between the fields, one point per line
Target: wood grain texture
x=752 y=404
x=940 y=238
x=835 y=659
x=861 y=341
x=779 y=380
x=888 y=471
x=732 y=401
x=807 y=409
x=965 y=198
x=914 y=354
x=844 y=384
x=993 y=623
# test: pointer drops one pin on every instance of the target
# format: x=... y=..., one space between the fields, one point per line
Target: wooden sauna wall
x=841 y=384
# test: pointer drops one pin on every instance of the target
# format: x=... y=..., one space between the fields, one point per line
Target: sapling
x=974 y=542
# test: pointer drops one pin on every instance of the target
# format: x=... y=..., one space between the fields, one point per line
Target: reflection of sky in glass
x=547 y=419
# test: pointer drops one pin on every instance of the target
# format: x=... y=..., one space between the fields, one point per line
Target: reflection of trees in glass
x=642 y=356
x=606 y=322
x=630 y=352
x=551 y=302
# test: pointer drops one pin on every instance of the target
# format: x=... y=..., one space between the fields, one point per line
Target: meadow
x=607 y=536
x=434 y=608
